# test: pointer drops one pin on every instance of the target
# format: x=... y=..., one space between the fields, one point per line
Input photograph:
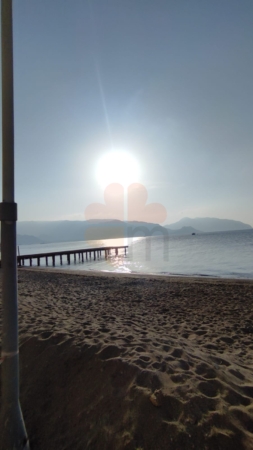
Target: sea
x=220 y=254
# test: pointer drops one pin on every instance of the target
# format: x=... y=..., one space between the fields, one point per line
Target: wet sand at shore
x=135 y=362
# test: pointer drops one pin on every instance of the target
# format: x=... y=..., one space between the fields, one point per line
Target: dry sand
x=130 y=362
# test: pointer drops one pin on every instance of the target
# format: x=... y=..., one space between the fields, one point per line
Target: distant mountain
x=209 y=224
x=27 y=240
x=53 y=231
x=64 y=231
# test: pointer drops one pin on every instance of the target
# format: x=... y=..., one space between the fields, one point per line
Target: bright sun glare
x=117 y=167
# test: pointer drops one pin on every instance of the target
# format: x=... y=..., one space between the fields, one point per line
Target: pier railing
x=88 y=252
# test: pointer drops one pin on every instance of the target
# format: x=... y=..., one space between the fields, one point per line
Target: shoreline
x=102 y=273
x=120 y=361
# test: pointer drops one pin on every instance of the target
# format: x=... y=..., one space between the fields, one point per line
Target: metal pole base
x=13 y=432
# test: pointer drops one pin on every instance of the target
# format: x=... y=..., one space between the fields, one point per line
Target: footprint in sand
x=210 y=388
x=237 y=374
x=244 y=417
x=177 y=352
x=178 y=378
x=108 y=352
x=235 y=399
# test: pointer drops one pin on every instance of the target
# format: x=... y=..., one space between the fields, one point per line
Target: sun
x=117 y=167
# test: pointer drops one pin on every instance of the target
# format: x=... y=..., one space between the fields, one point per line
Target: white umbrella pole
x=13 y=433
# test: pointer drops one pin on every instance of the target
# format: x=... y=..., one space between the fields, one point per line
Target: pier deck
x=88 y=252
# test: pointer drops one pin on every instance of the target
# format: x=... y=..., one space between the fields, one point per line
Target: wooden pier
x=89 y=253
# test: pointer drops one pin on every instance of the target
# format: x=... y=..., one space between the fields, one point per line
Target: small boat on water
x=193 y=234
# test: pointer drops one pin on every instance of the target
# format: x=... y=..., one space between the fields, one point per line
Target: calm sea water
x=226 y=254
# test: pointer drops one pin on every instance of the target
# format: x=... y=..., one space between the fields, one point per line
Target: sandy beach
x=112 y=362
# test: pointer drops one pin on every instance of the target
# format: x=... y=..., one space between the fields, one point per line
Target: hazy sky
x=168 y=82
